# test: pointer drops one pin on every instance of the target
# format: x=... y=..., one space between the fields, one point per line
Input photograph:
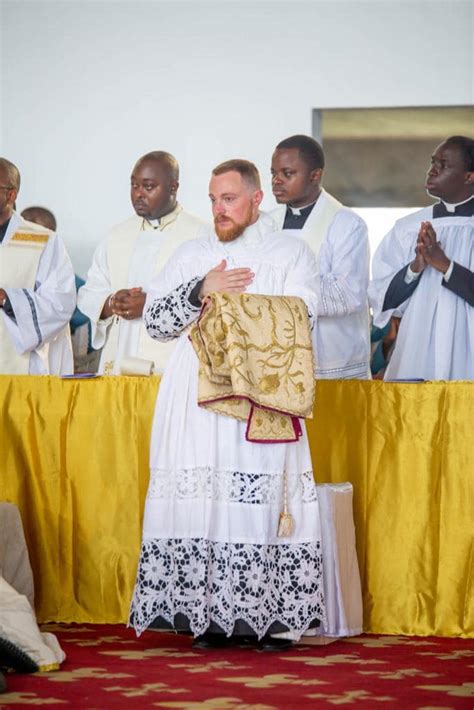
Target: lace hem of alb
x=229 y=486
x=224 y=583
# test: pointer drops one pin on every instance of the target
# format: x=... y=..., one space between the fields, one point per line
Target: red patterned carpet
x=107 y=666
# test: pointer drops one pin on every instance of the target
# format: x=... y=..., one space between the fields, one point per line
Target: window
x=377 y=158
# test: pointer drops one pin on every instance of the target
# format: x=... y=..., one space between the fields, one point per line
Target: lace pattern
x=223 y=582
x=227 y=486
x=165 y=318
x=334 y=301
x=348 y=372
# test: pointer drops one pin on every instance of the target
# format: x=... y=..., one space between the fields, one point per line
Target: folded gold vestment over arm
x=256 y=362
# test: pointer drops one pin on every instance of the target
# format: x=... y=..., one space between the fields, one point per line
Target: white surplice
x=39 y=281
x=131 y=255
x=338 y=238
x=435 y=340
x=210 y=548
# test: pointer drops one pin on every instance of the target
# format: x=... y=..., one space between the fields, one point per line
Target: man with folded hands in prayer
x=423 y=273
x=131 y=255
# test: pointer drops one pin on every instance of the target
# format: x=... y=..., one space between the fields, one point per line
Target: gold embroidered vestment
x=256 y=362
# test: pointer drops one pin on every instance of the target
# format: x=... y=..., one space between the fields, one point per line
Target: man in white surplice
x=37 y=290
x=211 y=561
x=423 y=272
x=132 y=254
x=338 y=238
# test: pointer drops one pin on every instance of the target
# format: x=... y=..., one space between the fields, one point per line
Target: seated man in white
x=132 y=254
x=37 y=290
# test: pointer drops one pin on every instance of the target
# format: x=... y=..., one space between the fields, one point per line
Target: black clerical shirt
x=465 y=209
x=297 y=221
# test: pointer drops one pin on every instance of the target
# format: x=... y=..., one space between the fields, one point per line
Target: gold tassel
x=285 y=523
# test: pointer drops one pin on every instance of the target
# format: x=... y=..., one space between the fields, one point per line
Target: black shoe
x=13 y=658
x=270 y=643
x=208 y=641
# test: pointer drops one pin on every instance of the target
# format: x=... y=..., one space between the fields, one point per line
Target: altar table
x=74 y=458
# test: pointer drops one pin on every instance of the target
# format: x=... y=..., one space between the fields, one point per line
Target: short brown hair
x=245 y=168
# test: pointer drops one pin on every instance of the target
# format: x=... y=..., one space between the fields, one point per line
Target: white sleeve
x=390 y=256
x=42 y=312
x=302 y=278
x=411 y=276
x=343 y=267
x=92 y=296
x=448 y=273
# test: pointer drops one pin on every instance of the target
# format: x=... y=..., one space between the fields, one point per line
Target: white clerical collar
x=451 y=206
x=296 y=211
x=162 y=222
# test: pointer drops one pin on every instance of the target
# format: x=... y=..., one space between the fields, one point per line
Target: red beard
x=233 y=230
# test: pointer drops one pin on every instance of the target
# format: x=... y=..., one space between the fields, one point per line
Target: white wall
x=88 y=87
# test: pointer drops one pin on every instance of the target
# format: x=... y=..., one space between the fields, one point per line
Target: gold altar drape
x=74 y=458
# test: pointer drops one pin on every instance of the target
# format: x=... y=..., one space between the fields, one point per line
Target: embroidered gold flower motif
x=269 y=384
x=256 y=350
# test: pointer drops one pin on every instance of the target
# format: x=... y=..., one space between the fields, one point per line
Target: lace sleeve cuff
x=166 y=318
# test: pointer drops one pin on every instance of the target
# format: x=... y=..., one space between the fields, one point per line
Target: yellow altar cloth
x=74 y=458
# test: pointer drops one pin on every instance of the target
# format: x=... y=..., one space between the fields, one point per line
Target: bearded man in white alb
x=211 y=560
x=423 y=272
x=37 y=290
x=132 y=254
